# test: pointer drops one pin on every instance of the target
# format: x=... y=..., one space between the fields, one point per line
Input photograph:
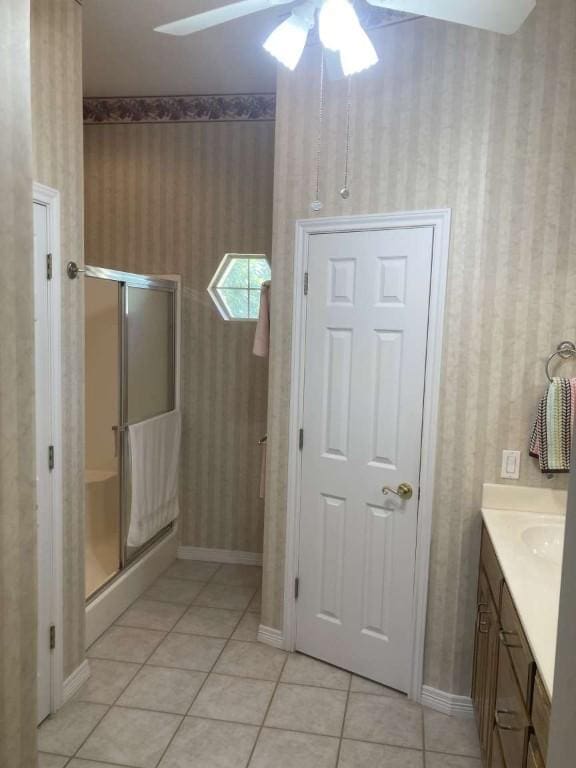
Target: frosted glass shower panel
x=149 y=352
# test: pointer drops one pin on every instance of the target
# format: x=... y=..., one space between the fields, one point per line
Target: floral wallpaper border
x=179 y=109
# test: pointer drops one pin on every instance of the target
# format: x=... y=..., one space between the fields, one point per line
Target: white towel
x=154 y=454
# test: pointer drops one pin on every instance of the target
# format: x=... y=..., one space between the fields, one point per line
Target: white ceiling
x=123 y=56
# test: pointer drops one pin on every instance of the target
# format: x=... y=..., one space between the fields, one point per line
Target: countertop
x=534 y=582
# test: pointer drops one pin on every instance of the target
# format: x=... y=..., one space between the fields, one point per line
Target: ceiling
x=123 y=56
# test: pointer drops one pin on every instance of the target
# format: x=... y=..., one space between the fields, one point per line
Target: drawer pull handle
x=500 y=724
x=503 y=634
x=483 y=626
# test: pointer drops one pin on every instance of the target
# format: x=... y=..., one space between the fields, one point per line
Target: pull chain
x=345 y=191
x=317 y=204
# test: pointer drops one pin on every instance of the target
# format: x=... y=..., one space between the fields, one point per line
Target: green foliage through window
x=235 y=288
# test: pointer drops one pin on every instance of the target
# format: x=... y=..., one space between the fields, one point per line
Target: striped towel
x=552 y=432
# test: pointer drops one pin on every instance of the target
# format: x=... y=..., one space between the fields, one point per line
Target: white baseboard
x=75 y=681
x=448 y=703
x=271 y=636
x=219 y=555
x=105 y=609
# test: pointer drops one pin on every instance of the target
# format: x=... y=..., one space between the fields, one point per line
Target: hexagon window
x=235 y=287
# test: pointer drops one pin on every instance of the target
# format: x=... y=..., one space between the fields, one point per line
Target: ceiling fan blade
x=504 y=16
x=217 y=16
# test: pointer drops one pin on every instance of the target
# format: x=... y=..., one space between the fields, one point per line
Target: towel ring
x=565 y=350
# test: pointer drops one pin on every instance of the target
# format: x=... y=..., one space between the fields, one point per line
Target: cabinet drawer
x=511 y=718
x=489 y=563
x=541 y=714
x=513 y=637
x=535 y=759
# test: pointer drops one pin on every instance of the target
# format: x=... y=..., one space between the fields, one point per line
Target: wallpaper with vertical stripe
x=174 y=198
x=57 y=142
x=17 y=493
x=485 y=125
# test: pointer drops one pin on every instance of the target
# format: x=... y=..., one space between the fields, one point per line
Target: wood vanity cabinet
x=510 y=702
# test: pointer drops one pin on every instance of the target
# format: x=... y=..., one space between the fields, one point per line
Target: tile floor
x=180 y=681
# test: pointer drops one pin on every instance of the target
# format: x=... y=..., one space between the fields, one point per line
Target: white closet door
x=366 y=335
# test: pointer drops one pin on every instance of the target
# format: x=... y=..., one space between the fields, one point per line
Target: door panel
x=337 y=394
x=366 y=330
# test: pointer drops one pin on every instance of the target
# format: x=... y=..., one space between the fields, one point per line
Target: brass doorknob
x=404 y=491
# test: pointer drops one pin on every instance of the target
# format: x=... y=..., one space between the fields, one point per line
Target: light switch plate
x=510 y=465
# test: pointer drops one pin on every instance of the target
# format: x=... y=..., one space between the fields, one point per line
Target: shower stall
x=131 y=375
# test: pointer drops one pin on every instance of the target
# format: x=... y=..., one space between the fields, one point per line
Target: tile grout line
x=183 y=717
x=261 y=727
x=343 y=722
x=208 y=673
x=244 y=677
x=423 y=739
x=141 y=665
x=109 y=707
x=168 y=745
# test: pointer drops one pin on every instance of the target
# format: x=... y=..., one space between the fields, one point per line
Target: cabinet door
x=496 y=756
x=512 y=723
x=493 y=642
x=534 y=756
x=480 y=650
x=485 y=664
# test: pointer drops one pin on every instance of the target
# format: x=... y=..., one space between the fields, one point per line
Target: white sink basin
x=545 y=541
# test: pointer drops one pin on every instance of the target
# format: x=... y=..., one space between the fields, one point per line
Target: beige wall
x=57 y=141
x=174 y=199
x=17 y=512
x=485 y=125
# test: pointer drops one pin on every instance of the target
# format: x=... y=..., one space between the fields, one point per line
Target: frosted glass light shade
x=286 y=42
x=357 y=53
x=335 y=20
x=340 y=30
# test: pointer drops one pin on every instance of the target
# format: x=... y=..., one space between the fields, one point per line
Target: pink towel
x=262 y=335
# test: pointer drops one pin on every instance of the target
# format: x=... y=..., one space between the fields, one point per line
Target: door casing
x=50 y=198
x=305 y=228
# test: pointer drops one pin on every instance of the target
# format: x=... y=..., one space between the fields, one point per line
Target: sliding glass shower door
x=130 y=377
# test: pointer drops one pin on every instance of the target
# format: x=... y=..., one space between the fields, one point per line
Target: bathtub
x=102 y=530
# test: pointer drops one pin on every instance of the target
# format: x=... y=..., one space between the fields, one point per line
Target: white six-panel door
x=365 y=356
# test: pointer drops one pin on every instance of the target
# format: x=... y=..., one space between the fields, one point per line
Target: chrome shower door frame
x=124 y=281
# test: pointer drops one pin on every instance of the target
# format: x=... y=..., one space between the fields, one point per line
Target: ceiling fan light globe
x=357 y=53
x=335 y=21
x=286 y=43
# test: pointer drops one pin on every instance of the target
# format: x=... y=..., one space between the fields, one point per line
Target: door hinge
x=52 y=637
x=418 y=494
x=296 y=587
x=305 y=283
x=50 y=457
x=48 y=266
x=301 y=439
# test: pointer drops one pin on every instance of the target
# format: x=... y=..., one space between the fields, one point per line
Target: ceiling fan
x=340 y=29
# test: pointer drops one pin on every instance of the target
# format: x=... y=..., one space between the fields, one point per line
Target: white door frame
x=440 y=221
x=50 y=198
